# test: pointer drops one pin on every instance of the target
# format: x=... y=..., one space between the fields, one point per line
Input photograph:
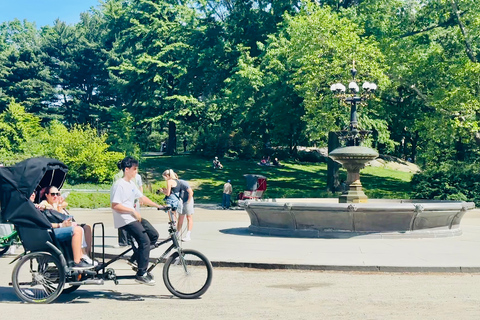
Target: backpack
x=183 y=194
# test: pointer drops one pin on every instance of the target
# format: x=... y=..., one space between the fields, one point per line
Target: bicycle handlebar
x=170 y=212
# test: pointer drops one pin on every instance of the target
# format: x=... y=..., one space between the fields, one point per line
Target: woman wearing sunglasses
x=51 y=199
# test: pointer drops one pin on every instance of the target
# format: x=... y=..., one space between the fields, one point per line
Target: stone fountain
x=353 y=214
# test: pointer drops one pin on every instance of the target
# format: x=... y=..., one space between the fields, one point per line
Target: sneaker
x=145 y=279
x=90 y=261
x=82 y=265
x=186 y=239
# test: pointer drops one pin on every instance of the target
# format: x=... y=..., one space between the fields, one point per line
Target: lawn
x=292 y=179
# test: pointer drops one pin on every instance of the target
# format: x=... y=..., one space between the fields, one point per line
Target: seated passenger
x=51 y=199
x=66 y=230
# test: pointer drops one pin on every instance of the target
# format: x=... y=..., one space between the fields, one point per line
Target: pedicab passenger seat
x=35 y=239
x=17 y=183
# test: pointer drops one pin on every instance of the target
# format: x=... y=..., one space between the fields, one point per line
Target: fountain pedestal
x=353 y=160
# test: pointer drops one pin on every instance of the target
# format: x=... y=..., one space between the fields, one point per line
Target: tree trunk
x=414 y=147
x=468 y=47
x=333 y=182
x=172 y=138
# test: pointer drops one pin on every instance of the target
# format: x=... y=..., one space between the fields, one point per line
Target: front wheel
x=38 y=277
x=187 y=276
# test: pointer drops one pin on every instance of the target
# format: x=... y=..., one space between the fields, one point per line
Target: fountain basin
x=327 y=218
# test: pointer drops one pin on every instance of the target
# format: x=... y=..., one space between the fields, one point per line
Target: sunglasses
x=54 y=193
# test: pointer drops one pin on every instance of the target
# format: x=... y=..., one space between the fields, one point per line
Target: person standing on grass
x=185 y=208
x=227 y=193
x=122 y=197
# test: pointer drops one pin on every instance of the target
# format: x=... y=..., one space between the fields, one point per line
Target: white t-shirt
x=125 y=193
x=138 y=182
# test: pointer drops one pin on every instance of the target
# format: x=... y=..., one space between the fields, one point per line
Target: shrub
x=449 y=181
x=83 y=151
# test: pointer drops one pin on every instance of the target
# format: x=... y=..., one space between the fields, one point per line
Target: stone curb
x=310 y=267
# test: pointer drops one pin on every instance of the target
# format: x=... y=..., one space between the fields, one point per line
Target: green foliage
x=17 y=129
x=448 y=181
x=83 y=151
x=88 y=200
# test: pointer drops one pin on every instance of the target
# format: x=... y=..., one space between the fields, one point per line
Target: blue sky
x=44 y=12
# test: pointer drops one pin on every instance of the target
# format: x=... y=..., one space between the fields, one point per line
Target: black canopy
x=17 y=183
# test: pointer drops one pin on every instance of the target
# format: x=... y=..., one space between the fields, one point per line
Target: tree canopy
x=247 y=78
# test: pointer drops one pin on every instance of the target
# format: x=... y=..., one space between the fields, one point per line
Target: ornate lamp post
x=353 y=97
x=353 y=157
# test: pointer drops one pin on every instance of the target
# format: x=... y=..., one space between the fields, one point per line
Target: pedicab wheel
x=69 y=288
x=38 y=277
x=188 y=276
x=4 y=250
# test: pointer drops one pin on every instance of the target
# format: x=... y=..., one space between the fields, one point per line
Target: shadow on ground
x=7 y=294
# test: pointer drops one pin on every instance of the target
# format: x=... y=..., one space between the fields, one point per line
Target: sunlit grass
x=292 y=179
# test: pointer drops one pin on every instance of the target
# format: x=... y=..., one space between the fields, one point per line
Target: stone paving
x=223 y=236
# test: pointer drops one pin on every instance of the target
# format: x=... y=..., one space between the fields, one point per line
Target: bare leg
x=180 y=222
x=87 y=230
x=190 y=222
x=77 y=244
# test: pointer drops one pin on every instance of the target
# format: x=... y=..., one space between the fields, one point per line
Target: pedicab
x=44 y=270
x=256 y=186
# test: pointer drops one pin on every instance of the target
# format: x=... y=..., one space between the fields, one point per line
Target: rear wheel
x=38 y=277
x=69 y=288
x=187 y=276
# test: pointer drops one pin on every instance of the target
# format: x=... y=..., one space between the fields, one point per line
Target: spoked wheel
x=3 y=250
x=69 y=288
x=187 y=276
x=38 y=277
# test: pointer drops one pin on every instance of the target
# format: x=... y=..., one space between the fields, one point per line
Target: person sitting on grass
x=217 y=164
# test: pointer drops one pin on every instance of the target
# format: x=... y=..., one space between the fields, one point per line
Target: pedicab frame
x=44 y=270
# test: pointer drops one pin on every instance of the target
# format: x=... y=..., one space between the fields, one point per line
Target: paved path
x=223 y=236
x=244 y=293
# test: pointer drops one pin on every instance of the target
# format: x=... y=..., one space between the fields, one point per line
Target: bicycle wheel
x=3 y=250
x=38 y=277
x=189 y=276
x=69 y=288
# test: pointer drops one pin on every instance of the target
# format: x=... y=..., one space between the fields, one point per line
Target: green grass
x=301 y=180
x=292 y=180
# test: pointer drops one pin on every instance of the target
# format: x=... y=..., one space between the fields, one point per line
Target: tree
x=24 y=75
x=154 y=54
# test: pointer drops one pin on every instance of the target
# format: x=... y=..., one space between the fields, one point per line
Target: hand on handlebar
x=164 y=208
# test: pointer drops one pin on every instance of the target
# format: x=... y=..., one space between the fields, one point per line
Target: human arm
x=44 y=205
x=120 y=208
x=63 y=224
x=190 y=194
x=168 y=190
x=62 y=204
x=145 y=200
